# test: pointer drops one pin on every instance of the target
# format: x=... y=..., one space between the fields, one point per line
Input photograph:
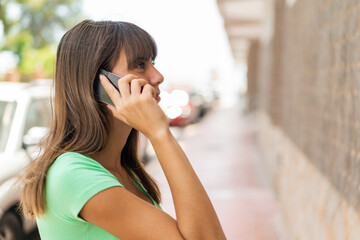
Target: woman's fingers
x=149 y=91
x=136 y=86
x=124 y=85
x=136 y=108
x=128 y=86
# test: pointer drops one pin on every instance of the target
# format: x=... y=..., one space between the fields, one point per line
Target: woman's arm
x=128 y=217
x=196 y=217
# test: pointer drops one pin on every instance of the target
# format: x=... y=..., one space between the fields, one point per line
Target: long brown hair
x=79 y=122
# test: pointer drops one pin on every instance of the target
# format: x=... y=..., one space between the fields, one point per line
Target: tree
x=31 y=30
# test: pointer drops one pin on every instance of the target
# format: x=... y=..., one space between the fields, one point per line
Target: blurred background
x=263 y=96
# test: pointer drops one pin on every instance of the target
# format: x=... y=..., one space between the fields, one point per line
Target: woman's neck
x=110 y=156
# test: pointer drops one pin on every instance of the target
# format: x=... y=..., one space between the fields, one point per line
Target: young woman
x=88 y=182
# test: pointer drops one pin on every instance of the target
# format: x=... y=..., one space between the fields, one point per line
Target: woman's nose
x=156 y=77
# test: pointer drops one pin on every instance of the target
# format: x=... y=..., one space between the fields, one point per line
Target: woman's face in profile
x=142 y=68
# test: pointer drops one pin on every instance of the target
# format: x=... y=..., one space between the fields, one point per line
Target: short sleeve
x=72 y=180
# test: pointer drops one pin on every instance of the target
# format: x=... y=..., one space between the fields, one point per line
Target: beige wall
x=312 y=208
x=252 y=75
x=308 y=95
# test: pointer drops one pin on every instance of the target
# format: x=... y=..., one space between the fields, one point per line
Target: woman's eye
x=141 y=65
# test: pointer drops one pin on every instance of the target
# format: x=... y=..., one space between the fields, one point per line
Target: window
x=38 y=115
x=7 y=112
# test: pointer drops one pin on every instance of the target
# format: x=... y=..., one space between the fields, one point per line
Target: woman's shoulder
x=74 y=159
x=72 y=180
x=72 y=164
x=74 y=156
x=72 y=170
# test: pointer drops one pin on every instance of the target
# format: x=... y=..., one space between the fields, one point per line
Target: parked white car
x=24 y=118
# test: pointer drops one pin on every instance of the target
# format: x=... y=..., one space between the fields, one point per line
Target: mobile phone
x=100 y=93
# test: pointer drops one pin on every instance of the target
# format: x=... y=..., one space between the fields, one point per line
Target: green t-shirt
x=71 y=181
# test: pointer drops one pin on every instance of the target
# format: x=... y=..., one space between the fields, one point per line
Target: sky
x=189 y=34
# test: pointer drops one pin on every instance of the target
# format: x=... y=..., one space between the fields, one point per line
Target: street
x=223 y=150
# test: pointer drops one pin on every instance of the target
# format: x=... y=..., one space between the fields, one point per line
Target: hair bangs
x=137 y=44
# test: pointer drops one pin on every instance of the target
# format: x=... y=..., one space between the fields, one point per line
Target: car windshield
x=7 y=111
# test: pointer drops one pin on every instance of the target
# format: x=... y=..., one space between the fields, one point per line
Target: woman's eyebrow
x=138 y=60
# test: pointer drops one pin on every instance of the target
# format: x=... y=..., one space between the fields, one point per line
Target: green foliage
x=32 y=29
x=40 y=58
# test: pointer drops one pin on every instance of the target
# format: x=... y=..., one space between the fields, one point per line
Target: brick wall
x=252 y=75
x=271 y=58
x=321 y=80
x=309 y=87
x=312 y=207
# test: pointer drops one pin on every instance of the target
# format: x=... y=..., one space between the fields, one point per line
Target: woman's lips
x=158 y=98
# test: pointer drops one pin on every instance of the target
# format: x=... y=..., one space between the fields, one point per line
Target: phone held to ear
x=100 y=93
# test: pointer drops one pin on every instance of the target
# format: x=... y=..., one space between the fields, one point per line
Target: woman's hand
x=135 y=105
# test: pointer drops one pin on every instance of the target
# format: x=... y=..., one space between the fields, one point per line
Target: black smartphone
x=100 y=93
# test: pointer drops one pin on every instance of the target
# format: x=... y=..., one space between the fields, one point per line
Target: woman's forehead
x=134 y=58
x=130 y=60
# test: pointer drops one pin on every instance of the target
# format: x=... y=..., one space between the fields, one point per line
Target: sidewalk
x=223 y=150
